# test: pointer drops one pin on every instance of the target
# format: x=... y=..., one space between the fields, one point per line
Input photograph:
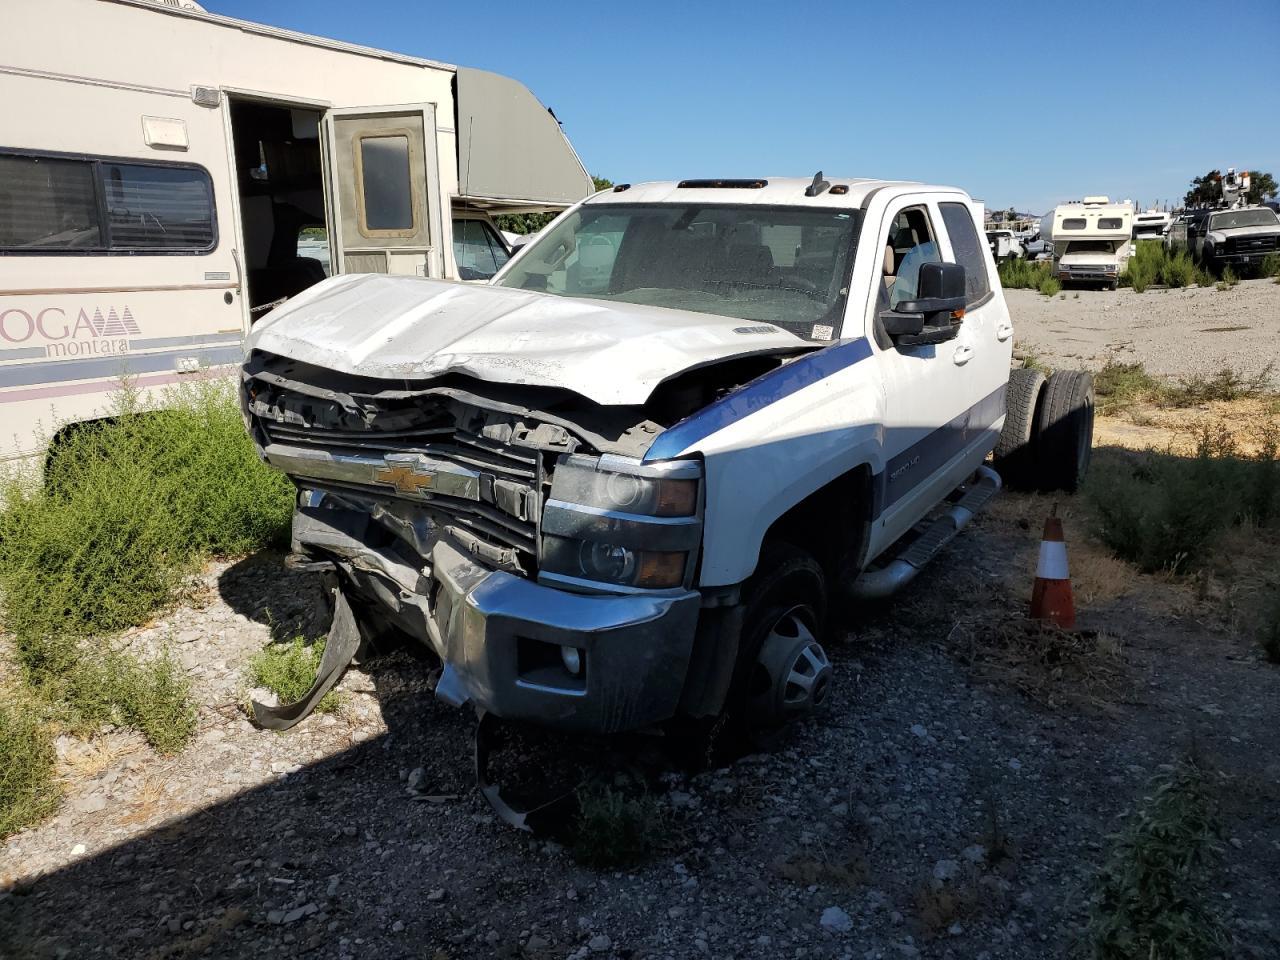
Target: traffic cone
x=1051 y=597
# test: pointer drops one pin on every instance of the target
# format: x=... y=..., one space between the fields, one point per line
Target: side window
x=967 y=248
x=51 y=204
x=157 y=208
x=911 y=244
x=47 y=204
x=479 y=253
x=386 y=196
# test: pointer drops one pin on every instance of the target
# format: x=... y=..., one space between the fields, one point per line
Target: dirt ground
x=954 y=801
x=1172 y=332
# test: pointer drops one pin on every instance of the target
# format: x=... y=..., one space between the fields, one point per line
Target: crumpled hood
x=409 y=328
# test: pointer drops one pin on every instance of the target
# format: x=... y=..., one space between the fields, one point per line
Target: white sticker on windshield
x=823 y=332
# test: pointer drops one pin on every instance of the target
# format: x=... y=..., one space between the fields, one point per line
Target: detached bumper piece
x=339 y=651
x=514 y=648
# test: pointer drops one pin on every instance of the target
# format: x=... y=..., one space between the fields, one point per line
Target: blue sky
x=1022 y=104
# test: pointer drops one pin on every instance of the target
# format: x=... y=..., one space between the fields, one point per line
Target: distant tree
x=1207 y=190
x=523 y=223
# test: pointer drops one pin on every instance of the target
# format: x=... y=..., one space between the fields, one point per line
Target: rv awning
x=512 y=154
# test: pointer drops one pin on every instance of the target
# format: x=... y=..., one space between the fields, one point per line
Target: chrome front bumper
x=500 y=635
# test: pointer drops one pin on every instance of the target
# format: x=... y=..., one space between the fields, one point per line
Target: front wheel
x=782 y=671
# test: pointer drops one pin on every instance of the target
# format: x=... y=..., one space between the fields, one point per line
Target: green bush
x=614 y=830
x=288 y=669
x=1179 y=270
x=1163 y=511
x=27 y=790
x=128 y=507
x=151 y=696
x=1151 y=265
x=1119 y=385
x=1229 y=279
x=1024 y=274
x=1152 y=899
x=1050 y=286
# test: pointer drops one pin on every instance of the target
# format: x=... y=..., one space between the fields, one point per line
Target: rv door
x=385 y=189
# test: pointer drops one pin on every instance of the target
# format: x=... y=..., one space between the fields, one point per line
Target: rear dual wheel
x=1047 y=440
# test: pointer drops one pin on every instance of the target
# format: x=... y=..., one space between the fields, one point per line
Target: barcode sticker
x=822 y=331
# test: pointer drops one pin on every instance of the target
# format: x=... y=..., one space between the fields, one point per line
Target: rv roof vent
x=205 y=96
x=1097 y=199
x=722 y=184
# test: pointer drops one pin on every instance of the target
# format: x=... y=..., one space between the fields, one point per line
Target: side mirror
x=936 y=313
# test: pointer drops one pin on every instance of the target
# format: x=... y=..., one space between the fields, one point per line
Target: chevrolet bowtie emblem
x=404 y=478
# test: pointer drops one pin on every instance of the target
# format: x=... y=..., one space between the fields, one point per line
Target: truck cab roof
x=849 y=192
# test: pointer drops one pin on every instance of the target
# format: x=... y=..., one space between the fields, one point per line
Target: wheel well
x=832 y=523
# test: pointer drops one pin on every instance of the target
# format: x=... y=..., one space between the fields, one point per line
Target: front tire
x=782 y=671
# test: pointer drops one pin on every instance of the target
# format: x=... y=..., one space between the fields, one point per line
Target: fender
x=773 y=442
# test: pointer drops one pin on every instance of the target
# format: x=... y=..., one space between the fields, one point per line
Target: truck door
x=930 y=390
x=385 y=188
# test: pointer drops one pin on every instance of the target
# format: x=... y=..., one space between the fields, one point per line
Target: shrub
x=1179 y=270
x=1270 y=266
x=151 y=696
x=27 y=790
x=1118 y=385
x=1226 y=384
x=1050 y=286
x=1229 y=279
x=1162 y=511
x=1152 y=896
x=614 y=830
x=1024 y=274
x=288 y=669
x=129 y=506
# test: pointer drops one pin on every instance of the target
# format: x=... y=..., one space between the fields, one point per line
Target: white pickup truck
x=627 y=481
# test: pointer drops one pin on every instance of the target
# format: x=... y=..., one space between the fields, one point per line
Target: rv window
x=480 y=254
x=967 y=249
x=1073 y=223
x=47 y=204
x=385 y=185
x=158 y=208
x=1109 y=223
x=52 y=204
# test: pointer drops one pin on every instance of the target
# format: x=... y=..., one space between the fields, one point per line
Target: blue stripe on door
x=758 y=394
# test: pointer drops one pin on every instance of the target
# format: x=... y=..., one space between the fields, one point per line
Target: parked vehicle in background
x=1005 y=245
x=1091 y=240
x=167 y=175
x=621 y=485
x=1239 y=238
x=1151 y=225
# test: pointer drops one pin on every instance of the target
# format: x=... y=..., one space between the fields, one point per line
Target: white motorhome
x=167 y=174
x=1091 y=240
x=1151 y=225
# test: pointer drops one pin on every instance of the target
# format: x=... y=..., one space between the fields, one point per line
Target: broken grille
x=484 y=493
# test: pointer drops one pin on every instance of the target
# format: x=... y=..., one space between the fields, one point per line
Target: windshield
x=781 y=265
x=1242 y=218
x=1091 y=246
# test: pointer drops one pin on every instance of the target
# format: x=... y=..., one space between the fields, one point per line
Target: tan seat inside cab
x=889 y=258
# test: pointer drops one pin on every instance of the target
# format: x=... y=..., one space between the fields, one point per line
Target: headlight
x=617 y=521
x=612 y=563
x=589 y=481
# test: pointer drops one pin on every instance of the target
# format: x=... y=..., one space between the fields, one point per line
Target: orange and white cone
x=1051 y=597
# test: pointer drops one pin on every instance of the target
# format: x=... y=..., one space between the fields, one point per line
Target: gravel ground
x=1173 y=332
x=948 y=805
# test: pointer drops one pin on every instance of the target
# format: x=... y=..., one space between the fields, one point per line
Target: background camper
x=166 y=181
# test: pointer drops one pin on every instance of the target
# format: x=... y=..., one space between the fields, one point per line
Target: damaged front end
x=515 y=530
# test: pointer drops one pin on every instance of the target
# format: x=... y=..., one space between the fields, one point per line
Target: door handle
x=1004 y=331
x=962 y=355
